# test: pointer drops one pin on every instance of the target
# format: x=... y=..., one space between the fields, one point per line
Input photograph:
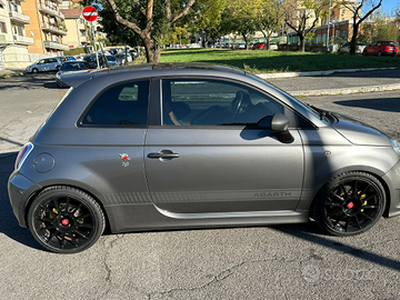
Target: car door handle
x=163 y=154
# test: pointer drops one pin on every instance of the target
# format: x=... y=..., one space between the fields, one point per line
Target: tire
x=379 y=53
x=34 y=70
x=364 y=53
x=65 y=220
x=349 y=204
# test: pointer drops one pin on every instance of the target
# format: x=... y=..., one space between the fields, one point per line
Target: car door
x=209 y=155
x=114 y=126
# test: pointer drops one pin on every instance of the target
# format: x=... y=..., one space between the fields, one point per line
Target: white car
x=45 y=65
x=273 y=46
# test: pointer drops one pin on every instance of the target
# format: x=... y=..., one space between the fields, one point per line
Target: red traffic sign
x=89 y=13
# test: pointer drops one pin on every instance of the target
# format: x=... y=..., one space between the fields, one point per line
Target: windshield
x=110 y=58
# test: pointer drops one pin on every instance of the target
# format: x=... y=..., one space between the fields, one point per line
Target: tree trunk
x=302 y=43
x=353 y=40
x=153 y=50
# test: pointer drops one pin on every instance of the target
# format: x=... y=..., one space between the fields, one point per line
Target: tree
x=361 y=10
x=150 y=19
x=269 y=18
x=303 y=15
x=210 y=17
x=243 y=18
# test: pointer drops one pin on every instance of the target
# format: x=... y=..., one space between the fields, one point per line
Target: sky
x=390 y=5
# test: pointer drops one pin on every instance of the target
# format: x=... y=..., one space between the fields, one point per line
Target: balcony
x=50 y=11
x=54 y=29
x=81 y=26
x=19 y=17
x=55 y=45
x=23 y=40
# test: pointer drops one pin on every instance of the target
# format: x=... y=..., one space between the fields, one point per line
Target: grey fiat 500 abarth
x=191 y=145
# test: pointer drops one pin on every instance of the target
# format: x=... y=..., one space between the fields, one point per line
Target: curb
x=346 y=91
x=317 y=73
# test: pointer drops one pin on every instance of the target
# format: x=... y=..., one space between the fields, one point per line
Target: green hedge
x=75 y=51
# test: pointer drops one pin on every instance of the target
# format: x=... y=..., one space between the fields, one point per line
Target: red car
x=382 y=48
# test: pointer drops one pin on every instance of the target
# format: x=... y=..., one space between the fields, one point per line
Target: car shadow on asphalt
x=382 y=104
x=312 y=234
x=8 y=223
x=30 y=81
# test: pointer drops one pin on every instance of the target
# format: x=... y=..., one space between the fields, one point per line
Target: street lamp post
x=329 y=23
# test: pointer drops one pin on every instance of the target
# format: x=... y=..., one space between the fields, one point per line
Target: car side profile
x=167 y=146
x=382 y=48
x=45 y=65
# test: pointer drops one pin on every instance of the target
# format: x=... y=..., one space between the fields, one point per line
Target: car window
x=121 y=105
x=52 y=60
x=213 y=103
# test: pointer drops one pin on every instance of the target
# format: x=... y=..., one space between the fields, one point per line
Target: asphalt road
x=276 y=262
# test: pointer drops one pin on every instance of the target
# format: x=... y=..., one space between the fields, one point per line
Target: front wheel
x=351 y=203
x=65 y=220
x=364 y=53
x=35 y=70
x=379 y=53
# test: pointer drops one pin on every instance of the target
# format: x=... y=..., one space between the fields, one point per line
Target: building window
x=3 y=27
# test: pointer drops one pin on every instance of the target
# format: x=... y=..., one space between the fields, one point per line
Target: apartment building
x=77 y=34
x=14 y=40
x=47 y=26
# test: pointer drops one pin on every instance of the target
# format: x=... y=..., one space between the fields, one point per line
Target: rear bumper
x=20 y=190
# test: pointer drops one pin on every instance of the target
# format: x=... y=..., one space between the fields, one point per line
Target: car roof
x=77 y=80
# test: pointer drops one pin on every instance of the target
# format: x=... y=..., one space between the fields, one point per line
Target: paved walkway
x=336 y=82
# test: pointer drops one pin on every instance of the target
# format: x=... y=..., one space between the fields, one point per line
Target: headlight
x=58 y=76
x=396 y=146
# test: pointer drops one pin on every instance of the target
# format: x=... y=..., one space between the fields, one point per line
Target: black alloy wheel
x=65 y=220
x=350 y=204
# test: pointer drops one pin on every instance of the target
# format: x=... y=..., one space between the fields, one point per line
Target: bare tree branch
x=121 y=20
x=180 y=14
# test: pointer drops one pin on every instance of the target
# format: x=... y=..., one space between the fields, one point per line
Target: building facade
x=77 y=34
x=14 y=40
x=47 y=26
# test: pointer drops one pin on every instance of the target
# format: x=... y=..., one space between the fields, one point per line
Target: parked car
x=121 y=59
x=259 y=46
x=92 y=61
x=112 y=61
x=273 y=46
x=241 y=46
x=346 y=48
x=379 y=48
x=45 y=65
x=70 y=66
x=152 y=147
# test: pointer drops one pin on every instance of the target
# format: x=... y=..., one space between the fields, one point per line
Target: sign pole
x=89 y=13
x=95 y=47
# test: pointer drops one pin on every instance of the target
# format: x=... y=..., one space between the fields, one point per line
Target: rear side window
x=122 y=105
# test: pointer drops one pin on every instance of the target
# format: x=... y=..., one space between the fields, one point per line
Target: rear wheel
x=379 y=53
x=351 y=203
x=65 y=220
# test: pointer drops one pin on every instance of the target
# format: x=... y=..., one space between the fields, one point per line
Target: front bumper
x=20 y=190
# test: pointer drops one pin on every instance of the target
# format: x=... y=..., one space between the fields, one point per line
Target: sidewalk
x=363 y=81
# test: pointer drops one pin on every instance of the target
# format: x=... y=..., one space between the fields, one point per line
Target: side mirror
x=279 y=127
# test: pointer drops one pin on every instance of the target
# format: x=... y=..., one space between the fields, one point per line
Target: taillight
x=22 y=155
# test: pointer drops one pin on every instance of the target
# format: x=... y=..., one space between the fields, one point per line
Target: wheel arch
x=378 y=174
x=88 y=191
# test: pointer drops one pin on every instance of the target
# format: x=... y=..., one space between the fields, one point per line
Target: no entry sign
x=89 y=13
